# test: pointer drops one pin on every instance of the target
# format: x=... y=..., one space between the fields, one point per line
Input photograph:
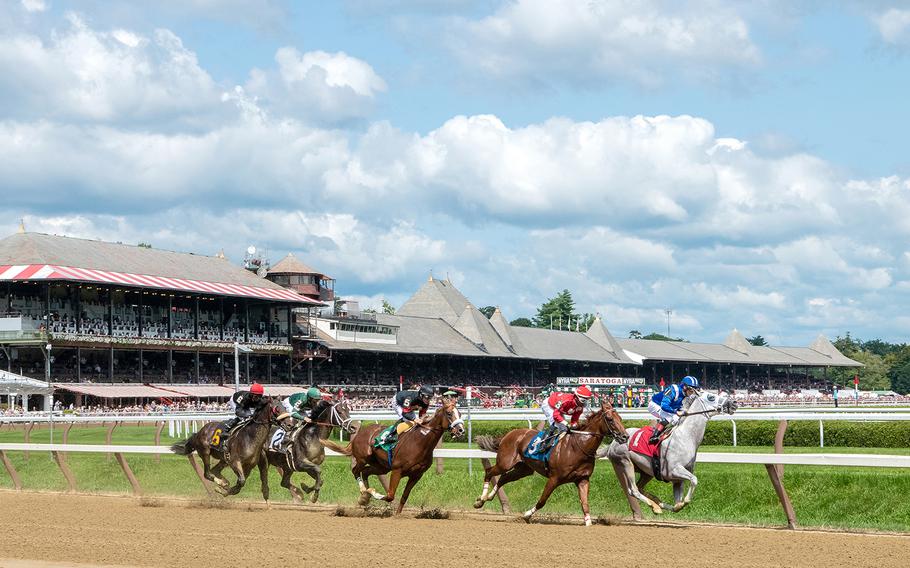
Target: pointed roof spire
x=503 y=328
x=477 y=328
x=599 y=334
x=21 y=226
x=221 y=254
x=737 y=342
x=435 y=299
x=825 y=347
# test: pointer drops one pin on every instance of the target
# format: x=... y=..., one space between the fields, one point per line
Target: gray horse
x=306 y=454
x=677 y=453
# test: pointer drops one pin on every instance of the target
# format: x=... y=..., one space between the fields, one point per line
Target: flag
x=662 y=383
x=855 y=381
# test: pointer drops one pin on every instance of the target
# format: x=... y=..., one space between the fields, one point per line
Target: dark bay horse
x=306 y=454
x=572 y=460
x=245 y=449
x=410 y=458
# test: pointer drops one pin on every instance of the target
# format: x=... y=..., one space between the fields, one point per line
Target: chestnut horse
x=245 y=449
x=572 y=460
x=410 y=458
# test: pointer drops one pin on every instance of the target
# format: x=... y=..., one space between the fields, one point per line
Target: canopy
x=11 y=383
x=119 y=390
x=197 y=391
x=52 y=272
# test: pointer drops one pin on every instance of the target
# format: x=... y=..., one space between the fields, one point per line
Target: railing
x=774 y=464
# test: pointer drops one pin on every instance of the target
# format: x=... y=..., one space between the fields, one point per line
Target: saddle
x=541 y=446
x=223 y=432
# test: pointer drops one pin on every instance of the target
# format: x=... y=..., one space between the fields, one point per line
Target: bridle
x=452 y=423
x=610 y=429
x=335 y=418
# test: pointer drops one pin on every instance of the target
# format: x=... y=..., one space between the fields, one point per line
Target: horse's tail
x=184 y=448
x=488 y=443
x=346 y=450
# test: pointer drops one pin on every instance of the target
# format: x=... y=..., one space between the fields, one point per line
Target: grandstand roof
x=438 y=319
x=293 y=265
x=36 y=256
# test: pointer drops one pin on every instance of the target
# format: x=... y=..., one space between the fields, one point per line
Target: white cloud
x=592 y=42
x=34 y=5
x=893 y=25
x=319 y=86
x=83 y=74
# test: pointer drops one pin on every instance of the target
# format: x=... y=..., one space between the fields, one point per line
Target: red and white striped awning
x=50 y=272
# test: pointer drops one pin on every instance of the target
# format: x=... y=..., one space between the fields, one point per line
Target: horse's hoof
x=678 y=507
x=666 y=507
x=478 y=504
x=657 y=510
x=526 y=518
x=315 y=497
x=364 y=499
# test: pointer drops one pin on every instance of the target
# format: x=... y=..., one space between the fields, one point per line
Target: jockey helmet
x=689 y=381
x=256 y=388
x=426 y=391
x=313 y=392
x=583 y=392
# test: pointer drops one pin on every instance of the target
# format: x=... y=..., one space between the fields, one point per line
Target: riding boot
x=655 y=435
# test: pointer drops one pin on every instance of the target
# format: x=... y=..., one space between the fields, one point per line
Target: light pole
x=238 y=349
x=47 y=379
x=668 y=311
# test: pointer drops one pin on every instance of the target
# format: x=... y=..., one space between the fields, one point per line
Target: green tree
x=556 y=312
x=757 y=341
x=488 y=311
x=387 y=308
x=900 y=376
x=874 y=376
x=662 y=337
x=521 y=322
x=145 y=245
x=634 y=334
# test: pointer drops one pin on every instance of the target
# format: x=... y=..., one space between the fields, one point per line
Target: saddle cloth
x=543 y=450
x=222 y=432
x=640 y=442
x=278 y=436
x=386 y=434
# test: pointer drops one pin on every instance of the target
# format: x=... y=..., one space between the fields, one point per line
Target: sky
x=742 y=164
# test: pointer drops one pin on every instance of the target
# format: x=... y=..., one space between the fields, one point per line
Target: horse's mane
x=689 y=401
x=587 y=426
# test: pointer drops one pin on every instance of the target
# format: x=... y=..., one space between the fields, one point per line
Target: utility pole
x=668 y=311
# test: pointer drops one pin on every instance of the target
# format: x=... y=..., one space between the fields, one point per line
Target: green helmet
x=313 y=392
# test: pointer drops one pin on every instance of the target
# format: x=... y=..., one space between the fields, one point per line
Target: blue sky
x=742 y=163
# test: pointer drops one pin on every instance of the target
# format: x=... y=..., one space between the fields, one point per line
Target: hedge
x=838 y=433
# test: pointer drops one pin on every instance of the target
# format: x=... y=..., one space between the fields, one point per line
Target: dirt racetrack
x=55 y=530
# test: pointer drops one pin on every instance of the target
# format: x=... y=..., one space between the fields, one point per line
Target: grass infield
x=846 y=498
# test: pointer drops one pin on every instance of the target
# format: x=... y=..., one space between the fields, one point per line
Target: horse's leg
x=237 y=468
x=643 y=480
x=286 y=474
x=628 y=469
x=489 y=474
x=518 y=471
x=552 y=483
x=583 y=486
x=412 y=481
x=221 y=484
x=264 y=477
x=681 y=473
x=393 y=485
x=314 y=471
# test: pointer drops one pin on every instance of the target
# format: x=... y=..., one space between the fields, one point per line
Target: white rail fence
x=773 y=463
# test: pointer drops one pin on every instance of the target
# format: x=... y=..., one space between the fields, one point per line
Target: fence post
x=137 y=490
x=28 y=436
x=158 y=429
x=779 y=445
x=70 y=479
x=14 y=475
x=110 y=431
x=778 y=484
x=439 y=466
x=734 y=432
x=821 y=434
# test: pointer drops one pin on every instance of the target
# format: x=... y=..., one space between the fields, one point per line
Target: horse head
x=268 y=410
x=341 y=416
x=451 y=420
x=613 y=423
x=709 y=403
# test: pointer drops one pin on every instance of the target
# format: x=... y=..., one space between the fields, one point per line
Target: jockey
x=666 y=405
x=410 y=406
x=301 y=405
x=244 y=404
x=563 y=410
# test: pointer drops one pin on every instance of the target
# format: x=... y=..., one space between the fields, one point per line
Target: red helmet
x=583 y=392
x=256 y=388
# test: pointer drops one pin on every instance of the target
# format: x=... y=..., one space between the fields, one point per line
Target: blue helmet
x=689 y=381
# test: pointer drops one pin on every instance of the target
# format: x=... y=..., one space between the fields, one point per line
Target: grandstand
x=75 y=310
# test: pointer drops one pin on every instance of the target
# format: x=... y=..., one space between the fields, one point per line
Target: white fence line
x=842 y=460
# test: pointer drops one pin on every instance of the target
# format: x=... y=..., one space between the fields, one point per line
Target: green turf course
x=852 y=498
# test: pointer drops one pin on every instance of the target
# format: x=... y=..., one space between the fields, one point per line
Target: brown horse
x=245 y=449
x=306 y=454
x=411 y=457
x=572 y=460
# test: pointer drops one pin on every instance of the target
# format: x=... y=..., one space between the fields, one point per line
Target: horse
x=305 y=453
x=245 y=449
x=572 y=460
x=677 y=453
x=411 y=457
